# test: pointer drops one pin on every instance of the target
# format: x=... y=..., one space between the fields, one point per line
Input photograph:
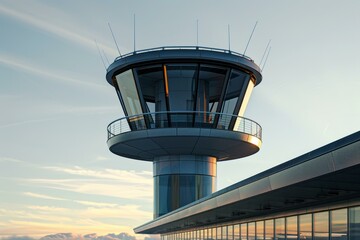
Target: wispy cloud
x=57 y=30
x=96 y=204
x=20 y=64
x=36 y=195
x=112 y=188
x=143 y=177
x=9 y=159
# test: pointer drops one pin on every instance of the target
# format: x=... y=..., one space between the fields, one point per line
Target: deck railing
x=184 y=119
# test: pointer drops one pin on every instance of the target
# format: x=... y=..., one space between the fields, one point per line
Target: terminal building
x=184 y=110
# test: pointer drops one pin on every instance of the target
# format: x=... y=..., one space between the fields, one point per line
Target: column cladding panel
x=180 y=180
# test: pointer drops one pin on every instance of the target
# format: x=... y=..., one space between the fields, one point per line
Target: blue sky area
x=56 y=172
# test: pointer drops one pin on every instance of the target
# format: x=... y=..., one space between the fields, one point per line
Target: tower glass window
x=130 y=98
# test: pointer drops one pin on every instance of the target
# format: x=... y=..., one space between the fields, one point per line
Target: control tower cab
x=184 y=111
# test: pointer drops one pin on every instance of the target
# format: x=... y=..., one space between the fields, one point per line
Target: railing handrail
x=257 y=134
x=183 y=48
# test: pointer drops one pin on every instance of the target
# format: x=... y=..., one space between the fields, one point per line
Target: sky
x=56 y=172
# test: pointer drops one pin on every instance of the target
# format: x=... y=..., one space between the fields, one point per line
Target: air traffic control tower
x=184 y=111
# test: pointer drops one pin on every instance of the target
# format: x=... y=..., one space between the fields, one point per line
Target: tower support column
x=182 y=179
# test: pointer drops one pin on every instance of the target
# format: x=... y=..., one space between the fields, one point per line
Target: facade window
x=230 y=232
x=213 y=233
x=280 y=229
x=237 y=232
x=339 y=224
x=244 y=231
x=218 y=233
x=251 y=231
x=269 y=229
x=260 y=230
x=305 y=226
x=321 y=226
x=292 y=227
x=354 y=223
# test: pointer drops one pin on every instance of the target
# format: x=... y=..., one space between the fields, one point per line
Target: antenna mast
x=229 y=35
x=266 y=59
x=265 y=52
x=102 y=59
x=134 y=34
x=114 y=39
x=197 y=32
x=250 y=37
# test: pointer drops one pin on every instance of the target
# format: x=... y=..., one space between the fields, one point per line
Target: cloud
x=112 y=188
x=91 y=236
x=47 y=208
x=20 y=64
x=144 y=177
x=96 y=204
x=58 y=31
x=9 y=159
x=120 y=212
x=15 y=237
x=36 y=195
x=62 y=236
x=102 y=158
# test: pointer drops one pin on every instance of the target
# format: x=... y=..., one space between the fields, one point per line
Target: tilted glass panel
x=305 y=226
x=251 y=231
x=130 y=98
x=269 y=229
x=210 y=84
x=339 y=224
x=240 y=124
x=151 y=81
x=354 y=223
x=260 y=230
x=244 y=231
x=233 y=91
x=321 y=226
x=291 y=227
x=280 y=228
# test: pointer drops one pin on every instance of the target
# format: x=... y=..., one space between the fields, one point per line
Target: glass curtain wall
x=235 y=90
x=337 y=224
x=205 y=89
x=130 y=98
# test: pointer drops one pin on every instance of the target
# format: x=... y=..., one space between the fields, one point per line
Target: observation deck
x=149 y=135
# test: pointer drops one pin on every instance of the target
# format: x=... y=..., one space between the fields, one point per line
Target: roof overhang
x=164 y=56
x=326 y=175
